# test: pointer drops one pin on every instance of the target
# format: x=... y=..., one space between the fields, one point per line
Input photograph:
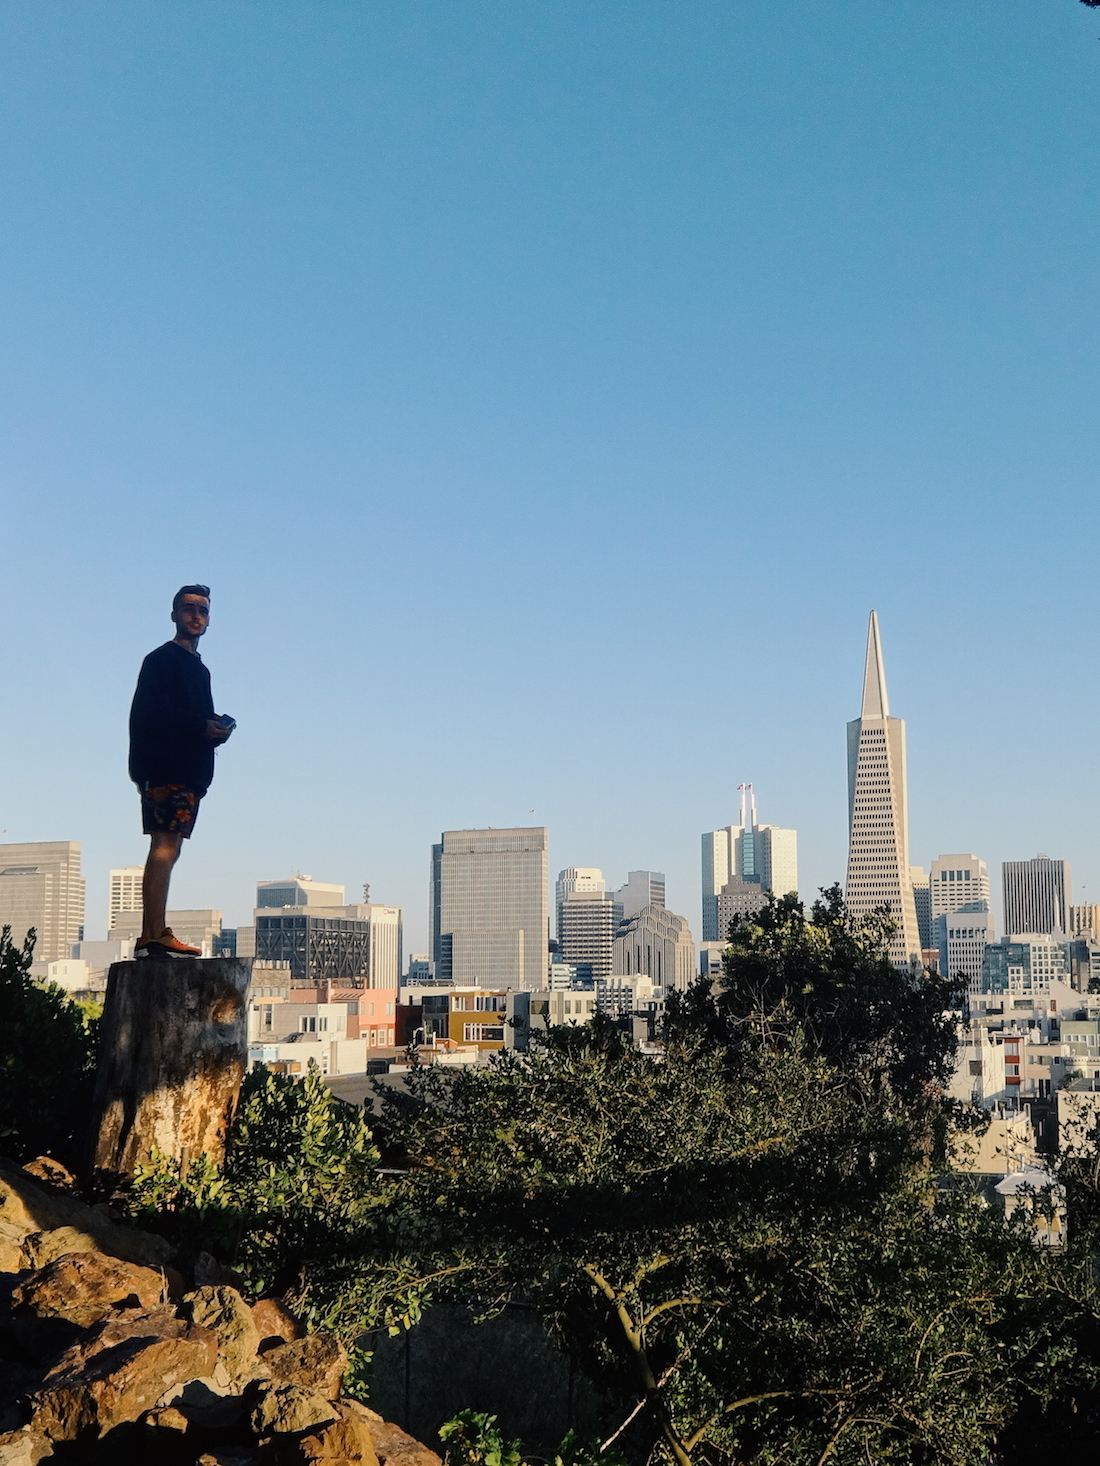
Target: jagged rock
x=317 y=1362
x=24 y=1447
x=392 y=1445
x=29 y=1204
x=346 y=1441
x=166 y=1419
x=284 y=1409
x=228 y=1456
x=42 y=1248
x=84 y=1286
x=228 y=1316
x=117 y=1372
x=45 y=1168
x=275 y=1321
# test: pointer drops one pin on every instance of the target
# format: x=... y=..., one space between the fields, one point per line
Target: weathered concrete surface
x=173 y=1048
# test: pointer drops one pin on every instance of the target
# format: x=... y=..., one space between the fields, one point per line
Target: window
x=473 y=1033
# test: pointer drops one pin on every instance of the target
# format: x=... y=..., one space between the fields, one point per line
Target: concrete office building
x=657 y=945
x=319 y=947
x=488 y=908
x=298 y=891
x=1038 y=895
x=587 y=922
x=308 y=924
x=125 y=892
x=585 y=878
x=41 y=888
x=739 y=898
x=643 y=888
x=749 y=854
x=962 y=937
x=1084 y=921
x=419 y=972
x=878 y=811
x=958 y=883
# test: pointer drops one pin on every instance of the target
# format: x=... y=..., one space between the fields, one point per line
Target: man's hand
x=215 y=732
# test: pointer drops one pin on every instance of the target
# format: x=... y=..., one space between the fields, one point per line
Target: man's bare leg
x=164 y=851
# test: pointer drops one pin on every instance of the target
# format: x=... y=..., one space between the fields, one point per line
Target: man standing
x=173 y=734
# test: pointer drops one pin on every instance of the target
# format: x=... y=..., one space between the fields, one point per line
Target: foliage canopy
x=47 y=1059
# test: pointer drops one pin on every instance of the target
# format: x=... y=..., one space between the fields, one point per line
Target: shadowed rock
x=317 y=1363
x=119 y=1371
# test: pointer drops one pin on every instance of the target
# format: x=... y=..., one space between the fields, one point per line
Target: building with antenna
x=878 y=811
x=750 y=860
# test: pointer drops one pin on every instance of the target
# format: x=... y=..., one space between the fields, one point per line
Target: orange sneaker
x=166 y=945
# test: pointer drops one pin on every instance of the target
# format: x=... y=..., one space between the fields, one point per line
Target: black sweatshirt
x=168 y=742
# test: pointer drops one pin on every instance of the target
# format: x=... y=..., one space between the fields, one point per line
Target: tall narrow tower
x=878 y=810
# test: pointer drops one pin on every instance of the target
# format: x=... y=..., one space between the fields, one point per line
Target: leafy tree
x=744 y=1243
x=295 y=1209
x=47 y=1060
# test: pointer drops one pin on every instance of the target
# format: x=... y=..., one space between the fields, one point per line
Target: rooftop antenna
x=748 y=807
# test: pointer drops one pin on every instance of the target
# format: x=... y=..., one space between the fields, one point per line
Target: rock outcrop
x=108 y=1357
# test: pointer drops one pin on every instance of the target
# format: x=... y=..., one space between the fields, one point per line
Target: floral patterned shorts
x=171 y=808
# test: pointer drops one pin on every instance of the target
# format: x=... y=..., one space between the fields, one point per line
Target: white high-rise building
x=299 y=891
x=878 y=811
x=587 y=922
x=959 y=883
x=746 y=853
x=125 y=892
x=643 y=888
x=489 y=908
x=962 y=937
x=582 y=878
x=41 y=887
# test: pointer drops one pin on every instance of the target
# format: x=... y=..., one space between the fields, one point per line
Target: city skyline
x=957 y=882
x=465 y=423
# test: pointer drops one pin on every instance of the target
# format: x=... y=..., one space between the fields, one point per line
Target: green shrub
x=47 y=1062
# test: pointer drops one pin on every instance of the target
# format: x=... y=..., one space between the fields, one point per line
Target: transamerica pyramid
x=878 y=810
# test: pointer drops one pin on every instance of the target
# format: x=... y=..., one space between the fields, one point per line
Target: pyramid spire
x=875 y=702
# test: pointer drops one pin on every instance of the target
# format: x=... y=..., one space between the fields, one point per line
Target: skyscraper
x=41 y=887
x=643 y=888
x=488 y=907
x=576 y=878
x=587 y=921
x=308 y=924
x=1037 y=895
x=959 y=883
x=878 y=810
x=655 y=944
x=745 y=854
x=961 y=918
x=125 y=892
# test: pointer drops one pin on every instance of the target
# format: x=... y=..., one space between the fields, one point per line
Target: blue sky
x=548 y=391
